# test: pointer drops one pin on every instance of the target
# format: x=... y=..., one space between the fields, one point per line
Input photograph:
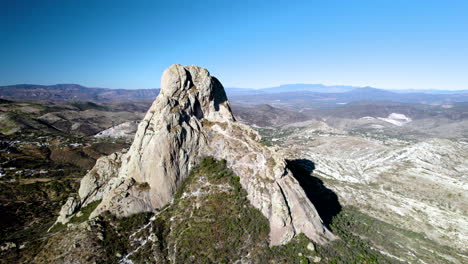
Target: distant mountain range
x=300 y=94
x=298 y=100
x=321 y=88
x=74 y=92
x=307 y=87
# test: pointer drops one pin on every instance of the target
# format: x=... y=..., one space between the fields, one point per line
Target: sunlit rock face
x=191 y=118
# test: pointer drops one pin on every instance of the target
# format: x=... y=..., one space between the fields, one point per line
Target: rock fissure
x=287 y=206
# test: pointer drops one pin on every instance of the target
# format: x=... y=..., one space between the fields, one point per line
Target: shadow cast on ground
x=325 y=200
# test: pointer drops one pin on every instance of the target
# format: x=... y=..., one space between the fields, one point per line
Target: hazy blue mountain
x=307 y=99
x=73 y=92
x=301 y=95
x=321 y=88
x=310 y=87
x=429 y=91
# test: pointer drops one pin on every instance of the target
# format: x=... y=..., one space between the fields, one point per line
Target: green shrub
x=117 y=231
x=85 y=212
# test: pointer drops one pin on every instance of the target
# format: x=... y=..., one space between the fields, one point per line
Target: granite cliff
x=191 y=119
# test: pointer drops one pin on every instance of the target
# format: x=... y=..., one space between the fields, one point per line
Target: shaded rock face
x=170 y=137
x=191 y=118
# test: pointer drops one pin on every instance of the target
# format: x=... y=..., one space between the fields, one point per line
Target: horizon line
x=233 y=87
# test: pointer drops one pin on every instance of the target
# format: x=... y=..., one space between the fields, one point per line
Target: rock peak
x=192 y=88
x=190 y=119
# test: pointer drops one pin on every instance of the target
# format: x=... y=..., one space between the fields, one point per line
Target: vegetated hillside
x=359 y=109
x=413 y=183
x=82 y=118
x=73 y=92
x=210 y=221
x=38 y=171
x=32 y=197
x=407 y=120
x=266 y=115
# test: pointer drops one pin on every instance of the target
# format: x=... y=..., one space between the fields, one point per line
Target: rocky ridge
x=191 y=119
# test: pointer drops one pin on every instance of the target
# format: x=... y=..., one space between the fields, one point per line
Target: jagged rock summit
x=191 y=118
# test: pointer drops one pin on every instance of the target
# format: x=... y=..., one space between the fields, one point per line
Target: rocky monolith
x=191 y=118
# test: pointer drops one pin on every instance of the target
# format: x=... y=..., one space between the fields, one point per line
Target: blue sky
x=392 y=44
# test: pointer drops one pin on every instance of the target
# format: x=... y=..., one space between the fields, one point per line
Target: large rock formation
x=191 y=118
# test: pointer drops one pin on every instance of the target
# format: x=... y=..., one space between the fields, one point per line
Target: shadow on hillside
x=325 y=200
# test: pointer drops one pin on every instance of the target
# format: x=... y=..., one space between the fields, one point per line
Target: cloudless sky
x=127 y=44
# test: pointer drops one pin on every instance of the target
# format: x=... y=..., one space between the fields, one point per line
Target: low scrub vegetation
x=84 y=212
x=212 y=221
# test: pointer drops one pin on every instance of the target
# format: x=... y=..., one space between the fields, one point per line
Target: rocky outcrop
x=191 y=118
x=124 y=130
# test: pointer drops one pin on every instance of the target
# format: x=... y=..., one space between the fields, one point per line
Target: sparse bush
x=85 y=212
x=117 y=231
